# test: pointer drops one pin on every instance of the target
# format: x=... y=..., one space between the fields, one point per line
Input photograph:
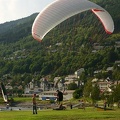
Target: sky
x=17 y=9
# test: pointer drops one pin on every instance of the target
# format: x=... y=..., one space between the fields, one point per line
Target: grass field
x=68 y=114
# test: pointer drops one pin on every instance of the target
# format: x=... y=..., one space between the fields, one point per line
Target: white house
x=56 y=79
x=103 y=84
x=109 y=69
x=71 y=78
x=79 y=72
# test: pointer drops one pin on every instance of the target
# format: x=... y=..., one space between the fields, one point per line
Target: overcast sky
x=16 y=9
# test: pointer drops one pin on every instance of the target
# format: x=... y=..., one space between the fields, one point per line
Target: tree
x=72 y=86
x=87 y=89
x=116 y=93
x=95 y=93
x=78 y=93
x=83 y=77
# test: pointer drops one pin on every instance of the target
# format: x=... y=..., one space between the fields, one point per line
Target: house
x=28 y=90
x=97 y=71
x=9 y=87
x=32 y=87
x=94 y=51
x=103 y=84
x=61 y=84
x=71 y=77
x=97 y=46
x=95 y=80
x=116 y=82
x=117 y=63
x=109 y=69
x=44 y=84
x=79 y=72
x=56 y=80
x=117 y=44
x=58 y=44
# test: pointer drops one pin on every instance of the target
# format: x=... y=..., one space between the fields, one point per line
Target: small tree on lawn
x=95 y=93
x=116 y=93
x=78 y=93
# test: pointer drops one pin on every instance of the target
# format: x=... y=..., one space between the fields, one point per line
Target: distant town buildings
x=104 y=85
x=47 y=89
x=62 y=84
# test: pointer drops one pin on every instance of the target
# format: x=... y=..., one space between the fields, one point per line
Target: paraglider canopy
x=4 y=92
x=60 y=10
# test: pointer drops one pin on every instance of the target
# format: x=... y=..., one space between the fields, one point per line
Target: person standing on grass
x=34 y=104
x=59 y=97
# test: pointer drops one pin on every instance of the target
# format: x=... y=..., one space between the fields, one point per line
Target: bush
x=78 y=93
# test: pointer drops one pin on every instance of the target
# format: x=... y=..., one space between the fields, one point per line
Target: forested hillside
x=15 y=30
x=65 y=49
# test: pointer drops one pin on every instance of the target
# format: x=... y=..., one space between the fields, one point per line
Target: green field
x=68 y=114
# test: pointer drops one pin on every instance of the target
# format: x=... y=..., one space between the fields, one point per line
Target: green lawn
x=69 y=114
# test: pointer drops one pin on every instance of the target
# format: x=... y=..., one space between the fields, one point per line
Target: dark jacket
x=60 y=96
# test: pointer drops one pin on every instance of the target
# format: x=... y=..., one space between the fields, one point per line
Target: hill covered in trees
x=67 y=48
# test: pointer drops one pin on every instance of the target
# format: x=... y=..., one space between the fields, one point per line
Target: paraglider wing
x=4 y=92
x=106 y=20
x=60 y=10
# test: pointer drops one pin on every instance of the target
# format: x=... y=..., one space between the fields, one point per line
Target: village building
x=79 y=72
x=103 y=84
x=71 y=77
x=97 y=46
x=117 y=44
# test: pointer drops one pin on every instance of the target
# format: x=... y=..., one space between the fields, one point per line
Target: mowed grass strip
x=74 y=114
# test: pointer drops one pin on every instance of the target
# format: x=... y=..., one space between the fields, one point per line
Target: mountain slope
x=14 y=30
x=65 y=49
